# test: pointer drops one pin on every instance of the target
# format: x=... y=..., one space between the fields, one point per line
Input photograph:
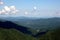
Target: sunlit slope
x=12 y=34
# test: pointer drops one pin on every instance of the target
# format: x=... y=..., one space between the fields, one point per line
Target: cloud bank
x=9 y=10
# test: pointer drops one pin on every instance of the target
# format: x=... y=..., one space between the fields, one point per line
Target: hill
x=13 y=34
x=9 y=30
x=51 y=35
x=39 y=24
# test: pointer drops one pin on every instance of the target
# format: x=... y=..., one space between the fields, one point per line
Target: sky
x=30 y=8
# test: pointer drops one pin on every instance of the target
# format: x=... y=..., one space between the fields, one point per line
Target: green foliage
x=12 y=34
x=51 y=35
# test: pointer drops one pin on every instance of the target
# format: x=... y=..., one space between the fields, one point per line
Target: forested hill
x=10 y=25
x=11 y=31
x=25 y=30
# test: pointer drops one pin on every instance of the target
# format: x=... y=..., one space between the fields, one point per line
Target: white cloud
x=0 y=12
x=26 y=13
x=12 y=7
x=1 y=3
x=7 y=8
x=3 y=11
x=15 y=11
x=34 y=7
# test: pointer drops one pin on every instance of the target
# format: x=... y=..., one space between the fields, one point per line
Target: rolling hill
x=41 y=24
x=18 y=29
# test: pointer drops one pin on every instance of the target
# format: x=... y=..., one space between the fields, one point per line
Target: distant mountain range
x=30 y=25
x=41 y=24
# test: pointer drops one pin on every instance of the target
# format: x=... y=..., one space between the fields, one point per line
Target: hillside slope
x=12 y=34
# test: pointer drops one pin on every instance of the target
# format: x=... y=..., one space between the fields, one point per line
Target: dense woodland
x=13 y=34
x=49 y=29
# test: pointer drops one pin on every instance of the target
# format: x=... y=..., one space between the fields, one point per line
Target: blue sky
x=44 y=8
x=28 y=4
